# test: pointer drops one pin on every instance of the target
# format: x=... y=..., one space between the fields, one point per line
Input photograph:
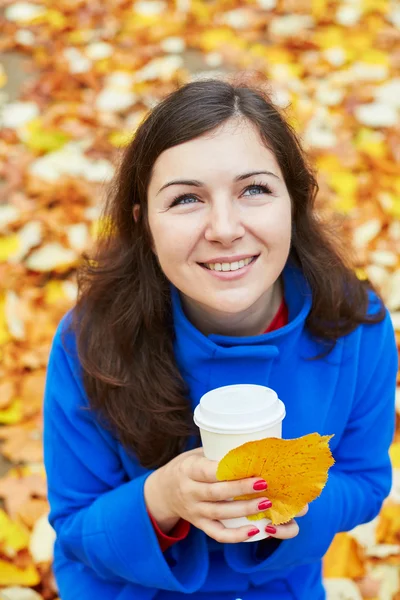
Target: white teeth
x=234 y=266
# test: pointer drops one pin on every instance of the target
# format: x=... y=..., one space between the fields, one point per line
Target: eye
x=260 y=189
x=184 y=199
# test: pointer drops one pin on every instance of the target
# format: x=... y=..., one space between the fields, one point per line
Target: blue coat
x=106 y=547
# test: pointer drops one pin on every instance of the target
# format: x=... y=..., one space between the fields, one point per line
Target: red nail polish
x=253 y=532
x=264 y=505
x=260 y=485
x=270 y=529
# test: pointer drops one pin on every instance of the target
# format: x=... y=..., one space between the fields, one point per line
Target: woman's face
x=224 y=242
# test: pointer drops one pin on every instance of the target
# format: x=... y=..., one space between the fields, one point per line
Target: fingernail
x=270 y=529
x=264 y=505
x=253 y=532
x=260 y=485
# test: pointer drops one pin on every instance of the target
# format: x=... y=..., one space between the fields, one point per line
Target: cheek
x=275 y=228
x=172 y=247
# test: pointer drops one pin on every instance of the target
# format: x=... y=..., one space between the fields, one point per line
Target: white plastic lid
x=241 y=408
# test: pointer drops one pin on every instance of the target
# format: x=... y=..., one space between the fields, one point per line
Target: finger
x=286 y=531
x=219 y=511
x=199 y=468
x=303 y=512
x=225 y=490
x=225 y=535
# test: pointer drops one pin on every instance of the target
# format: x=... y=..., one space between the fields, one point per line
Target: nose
x=224 y=224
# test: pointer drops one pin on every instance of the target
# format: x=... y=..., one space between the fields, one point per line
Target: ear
x=136 y=211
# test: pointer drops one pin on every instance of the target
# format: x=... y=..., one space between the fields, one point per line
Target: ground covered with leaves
x=95 y=68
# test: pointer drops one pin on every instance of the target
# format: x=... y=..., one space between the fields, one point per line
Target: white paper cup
x=232 y=415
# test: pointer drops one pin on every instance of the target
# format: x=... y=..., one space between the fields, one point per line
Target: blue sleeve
x=361 y=478
x=98 y=513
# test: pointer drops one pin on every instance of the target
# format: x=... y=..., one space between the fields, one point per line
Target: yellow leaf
x=388 y=527
x=277 y=55
x=319 y=8
x=42 y=139
x=345 y=185
x=361 y=274
x=329 y=37
x=370 y=142
x=120 y=139
x=13 y=536
x=358 y=41
x=54 y=291
x=201 y=12
x=212 y=39
x=328 y=163
x=105 y=65
x=12 y=414
x=296 y=472
x=394 y=453
x=12 y=575
x=344 y=558
x=9 y=245
x=5 y=335
x=52 y=17
x=3 y=76
x=373 y=56
x=380 y=6
x=79 y=36
x=56 y=19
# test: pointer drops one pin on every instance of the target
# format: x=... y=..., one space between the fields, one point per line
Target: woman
x=215 y=270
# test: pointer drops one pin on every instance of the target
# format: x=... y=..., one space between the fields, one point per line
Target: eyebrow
x=196 y=183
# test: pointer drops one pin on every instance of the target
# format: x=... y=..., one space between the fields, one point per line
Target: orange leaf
x=344 y=558
x=296 y=472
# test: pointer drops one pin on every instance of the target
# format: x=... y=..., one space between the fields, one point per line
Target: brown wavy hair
x=122 y=320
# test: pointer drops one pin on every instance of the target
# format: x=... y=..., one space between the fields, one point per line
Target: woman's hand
x=287 y=530
x=187 y=488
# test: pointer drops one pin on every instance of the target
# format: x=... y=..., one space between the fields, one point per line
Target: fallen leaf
x=296 y=471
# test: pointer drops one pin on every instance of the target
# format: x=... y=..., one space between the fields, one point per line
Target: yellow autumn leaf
x=3 y=76
x=9 y=245
x=345 y=185
x=12 y=414
x=42 y=139
x=5 y=335
x=344 y=558
x=361 y=274
x=388 y=527
x=394 y=453
x=54 y=292
x=373 y=56
x=370 y=142
x=378 y=6
x=329 y=37
x=13 y=536
x=296 y=472
x=12 y=575
x=120 y=139
x=52 y=17
x=212 y=39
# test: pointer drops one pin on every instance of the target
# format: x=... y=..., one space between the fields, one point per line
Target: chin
x=231 y=305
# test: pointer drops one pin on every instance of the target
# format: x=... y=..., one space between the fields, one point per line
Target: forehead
x=231 y=147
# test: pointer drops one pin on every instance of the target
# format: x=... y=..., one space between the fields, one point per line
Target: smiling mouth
x=233 y=266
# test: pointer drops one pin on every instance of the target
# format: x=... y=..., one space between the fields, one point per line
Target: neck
x=254 y=321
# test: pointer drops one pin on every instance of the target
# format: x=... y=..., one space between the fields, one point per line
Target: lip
x=228 y=259
x=229 y=275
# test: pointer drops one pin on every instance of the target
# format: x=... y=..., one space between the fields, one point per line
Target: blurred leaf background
x=76 y=79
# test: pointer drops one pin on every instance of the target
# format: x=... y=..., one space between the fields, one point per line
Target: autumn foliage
x=93 y=70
